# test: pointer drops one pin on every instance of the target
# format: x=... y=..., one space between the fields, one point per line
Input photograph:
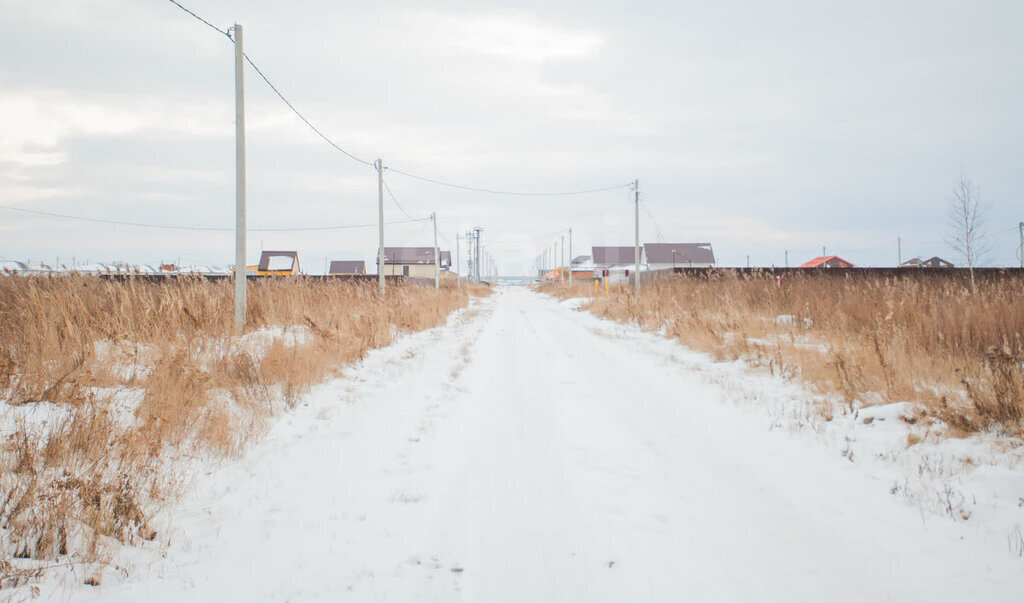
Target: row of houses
x=398 y=261
x=406 y=261
x=834 y=261
x=616 y=262
x=10 y=267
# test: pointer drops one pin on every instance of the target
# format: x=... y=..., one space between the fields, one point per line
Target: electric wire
x=372 y=164
x=199 y=228
x=510 y=193
x=303 y=117
x=397 y=204
x=207 y=23
x=999 y=232
x=657 y=229
x=274 y=88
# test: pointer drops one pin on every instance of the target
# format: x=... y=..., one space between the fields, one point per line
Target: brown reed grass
x=870 y=339
x=74 y=347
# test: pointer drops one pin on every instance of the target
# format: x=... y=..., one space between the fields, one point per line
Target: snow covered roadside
x=531 y=452
x=977 y=481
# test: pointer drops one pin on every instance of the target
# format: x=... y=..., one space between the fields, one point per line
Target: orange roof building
x=828 y=261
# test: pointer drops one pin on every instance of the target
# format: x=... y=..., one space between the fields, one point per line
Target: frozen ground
x=531 y=452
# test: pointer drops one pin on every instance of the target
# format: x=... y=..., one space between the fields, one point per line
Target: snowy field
x=528 y=451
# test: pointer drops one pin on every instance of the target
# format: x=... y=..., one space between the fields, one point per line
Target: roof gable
x=613 y=255
x=408 y=255
x=267 y=256
x=416 y=255
x=828 y=261
x=347 y=267
x=937 y=262
x=662 y=253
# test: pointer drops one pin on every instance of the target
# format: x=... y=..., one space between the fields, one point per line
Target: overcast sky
x=760 y=127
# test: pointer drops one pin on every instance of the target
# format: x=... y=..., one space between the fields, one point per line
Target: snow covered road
x=528 y=452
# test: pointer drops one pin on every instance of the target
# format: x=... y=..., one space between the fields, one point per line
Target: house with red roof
x=828 y=261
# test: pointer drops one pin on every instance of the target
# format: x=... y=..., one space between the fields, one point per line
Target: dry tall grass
x=102 y=381
x=957 y=350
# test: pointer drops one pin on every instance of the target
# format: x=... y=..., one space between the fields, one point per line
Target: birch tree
x=966 y=220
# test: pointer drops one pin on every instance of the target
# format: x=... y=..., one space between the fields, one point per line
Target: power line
x=274 y=88
x=207 y=23
x=371 y=164
x=397 y=204
x=402 y=209
x=653 y=221
x=992 y=234
x=197 y=228
x=511 y=193
x=309 y=228
x=303 y=117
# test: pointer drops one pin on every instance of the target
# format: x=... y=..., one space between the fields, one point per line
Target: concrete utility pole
x=636 y=232
x=458 y=263
x=380 y=225
x=477 y=263
x=437 y=254
x=240 y=298
x=1020 y=229
x=570 y=256
x=561 y=271
x=899 y=252
x=470 y=259
x=822 y=251
x=787 y=258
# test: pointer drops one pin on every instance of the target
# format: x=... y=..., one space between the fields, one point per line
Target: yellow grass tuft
x=75 y=348
x=871 y=339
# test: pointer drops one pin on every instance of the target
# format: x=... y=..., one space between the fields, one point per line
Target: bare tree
x=966 y=220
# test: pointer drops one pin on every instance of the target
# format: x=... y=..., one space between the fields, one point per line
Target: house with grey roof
x=617 y=263
x=609 y=257
x=934 y=262
x=663 y=256
x=347 y=267
x=414 y=261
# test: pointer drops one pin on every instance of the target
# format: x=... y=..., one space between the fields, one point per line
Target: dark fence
x=982 y=274
x=390 y=280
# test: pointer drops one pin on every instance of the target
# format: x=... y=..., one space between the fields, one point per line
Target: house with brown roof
x=347 y=267
x=414 y=261
x=606 y=258
x=662 y=256
x=934 y=262
x=827 y=261
x=278 y=263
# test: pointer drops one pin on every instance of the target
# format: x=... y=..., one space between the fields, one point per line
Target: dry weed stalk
x=872 y=339
x=74 y=348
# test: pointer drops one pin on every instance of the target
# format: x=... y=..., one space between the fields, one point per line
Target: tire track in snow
x=522 y=454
